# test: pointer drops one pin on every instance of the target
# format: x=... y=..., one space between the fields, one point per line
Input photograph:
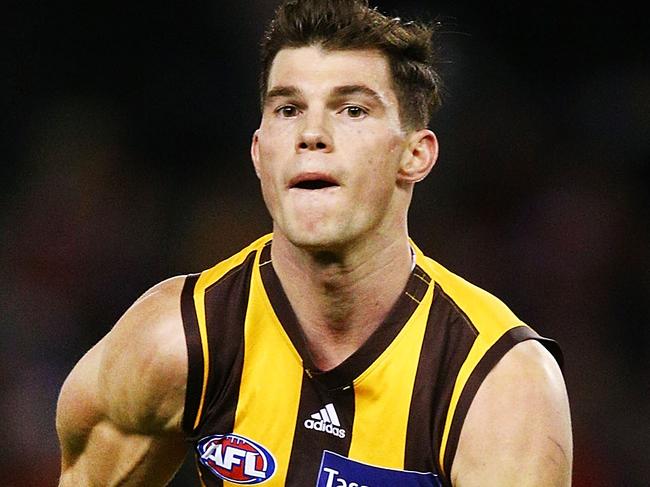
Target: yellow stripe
x=491 y=318
x=206 y=279
x=271 y=380
x=199 y=303
x=475 y=354
x=382 y=396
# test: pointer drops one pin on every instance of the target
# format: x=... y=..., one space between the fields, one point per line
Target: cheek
x=394 y=146
x=274 y=146
x=379 y=180
x=270 y=169
x=383 y=160
x=267 y=158
x=377 y=142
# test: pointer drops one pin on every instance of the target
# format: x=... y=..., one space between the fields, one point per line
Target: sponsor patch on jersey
x=339 y=471
x=236 y=459
x=326 y=420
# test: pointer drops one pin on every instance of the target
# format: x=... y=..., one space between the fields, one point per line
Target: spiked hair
x=351 y=25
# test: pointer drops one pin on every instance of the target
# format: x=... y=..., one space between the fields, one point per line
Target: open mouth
x=312 y=182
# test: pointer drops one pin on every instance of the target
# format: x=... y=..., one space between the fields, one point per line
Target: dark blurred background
x=125 y=129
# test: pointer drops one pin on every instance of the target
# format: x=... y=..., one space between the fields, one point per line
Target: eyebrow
x=345 y=90
x=282 y=91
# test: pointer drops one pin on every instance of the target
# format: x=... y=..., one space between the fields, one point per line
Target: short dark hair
x=351 y=25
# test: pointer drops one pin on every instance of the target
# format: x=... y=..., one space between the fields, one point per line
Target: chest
x=259 y=411
x=289 y=427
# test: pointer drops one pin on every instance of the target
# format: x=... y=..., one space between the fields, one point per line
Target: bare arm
x=518 y=429
x=120 y=409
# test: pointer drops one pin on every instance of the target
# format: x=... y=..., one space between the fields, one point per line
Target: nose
x=314 y=135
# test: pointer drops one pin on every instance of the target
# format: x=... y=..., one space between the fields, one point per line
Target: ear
x=419 y=156
x=255 y=152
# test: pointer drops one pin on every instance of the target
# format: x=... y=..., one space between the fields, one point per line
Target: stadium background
x=124 y=160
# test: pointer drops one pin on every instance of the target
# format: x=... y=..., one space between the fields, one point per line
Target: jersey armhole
x=195 y=365
x=509 y=339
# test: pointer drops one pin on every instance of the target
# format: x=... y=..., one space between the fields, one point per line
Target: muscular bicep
x=118 y=415
x=518 y=430
x=96 y=450
x=78 y=410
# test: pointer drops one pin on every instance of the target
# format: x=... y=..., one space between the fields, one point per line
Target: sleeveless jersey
x=258 y=410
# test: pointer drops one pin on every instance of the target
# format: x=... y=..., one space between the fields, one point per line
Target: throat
x=341 y=299
x=330 y=347
x=341 y=327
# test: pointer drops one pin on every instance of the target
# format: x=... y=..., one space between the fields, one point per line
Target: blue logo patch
x=339 y=471
x=236 y=459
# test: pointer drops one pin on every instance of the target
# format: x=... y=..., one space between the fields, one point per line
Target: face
x=329 y=147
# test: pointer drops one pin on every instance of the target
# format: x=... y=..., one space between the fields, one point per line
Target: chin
x=312 y=241
x=316 y=237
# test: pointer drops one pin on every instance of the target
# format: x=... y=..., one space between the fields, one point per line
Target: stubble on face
x=331 y=124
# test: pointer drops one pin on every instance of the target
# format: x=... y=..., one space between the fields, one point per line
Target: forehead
x=313 y=69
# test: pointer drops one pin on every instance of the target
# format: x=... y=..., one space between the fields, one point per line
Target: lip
x=327 y=180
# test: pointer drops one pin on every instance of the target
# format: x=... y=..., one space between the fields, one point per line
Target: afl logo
x=236 y=459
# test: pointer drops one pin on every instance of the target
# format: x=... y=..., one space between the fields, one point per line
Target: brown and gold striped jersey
x=257 y=410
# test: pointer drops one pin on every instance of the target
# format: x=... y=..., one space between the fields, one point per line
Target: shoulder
x=151 y=327
x=511 y=416
x=136 y=374
x=517 y=430
x=487 y=314
x=144 y=364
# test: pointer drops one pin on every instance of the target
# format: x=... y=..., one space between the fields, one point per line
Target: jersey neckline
x=343 y=375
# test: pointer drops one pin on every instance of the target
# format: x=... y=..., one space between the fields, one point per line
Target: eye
x=287 y=111
x=354 y=111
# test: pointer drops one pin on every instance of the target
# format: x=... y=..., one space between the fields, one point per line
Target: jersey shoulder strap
x=213 y=308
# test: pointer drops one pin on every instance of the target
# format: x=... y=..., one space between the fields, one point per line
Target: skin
x=518 y=429
x=334 y=117
x=119 y=410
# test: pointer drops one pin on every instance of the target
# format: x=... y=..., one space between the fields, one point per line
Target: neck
x=341 y=297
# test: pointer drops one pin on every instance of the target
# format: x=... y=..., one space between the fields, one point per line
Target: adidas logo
x=326 y=420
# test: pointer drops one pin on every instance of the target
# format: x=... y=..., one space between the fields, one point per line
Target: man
x=332 y=353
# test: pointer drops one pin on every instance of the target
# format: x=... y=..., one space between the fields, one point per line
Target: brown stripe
x=478 y=375
x=447 y=340
x=225 y=312
x=194 y=353
x=305 y=460
x=226 y=302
